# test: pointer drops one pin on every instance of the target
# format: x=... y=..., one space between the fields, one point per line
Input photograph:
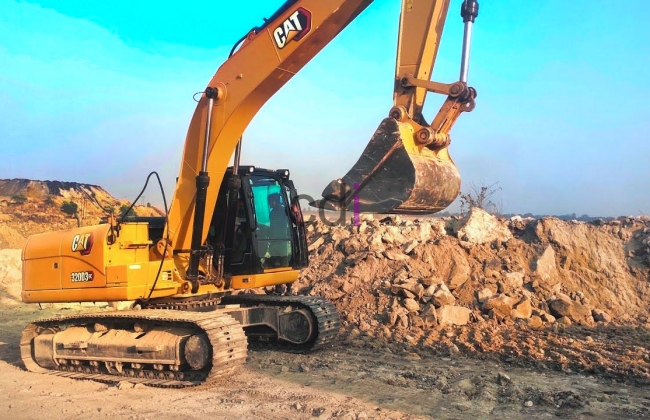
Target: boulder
x=395 y=233
x=601 y=316
x=480 y=227
x=460 y=271
x=395 y=314
x=443 y=297
x=411 y=305
x=503 y=379
x=316 y=244
x=563 y=306
x=376 y=244
x=423 y=232
x=418 y=289
x=363 y=227
x=395 y=255
x=429 y=291
x=500 y=303
x=438 y=228
x=522 y=310
x=453 y=315
x=428 y=315
x=548 y=318
x=545 y=266
x=545 y=269
x=535 y=322
x=353 y=245
x=410 y=246
x=339 y=233
x=348 y=287
x=511 y=282
x=388 y=238
x=431 y=281
x=366 y=217
x=483 y=295
x=517 y=222
x=402 y=290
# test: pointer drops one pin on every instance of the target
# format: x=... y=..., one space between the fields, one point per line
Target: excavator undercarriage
x=176 y=345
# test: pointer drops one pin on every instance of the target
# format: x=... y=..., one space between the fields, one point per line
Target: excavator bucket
x=395 y=175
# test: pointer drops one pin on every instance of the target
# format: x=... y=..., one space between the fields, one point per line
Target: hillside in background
x=28 y=207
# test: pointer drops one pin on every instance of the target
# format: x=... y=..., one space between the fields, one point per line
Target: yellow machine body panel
x=273 y=278
x=79 y=265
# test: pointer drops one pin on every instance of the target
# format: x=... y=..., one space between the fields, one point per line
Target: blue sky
x=101 y=92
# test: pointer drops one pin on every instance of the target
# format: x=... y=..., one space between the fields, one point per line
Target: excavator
x=198 y=275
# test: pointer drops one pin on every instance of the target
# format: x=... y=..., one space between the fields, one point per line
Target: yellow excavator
x=231 y=229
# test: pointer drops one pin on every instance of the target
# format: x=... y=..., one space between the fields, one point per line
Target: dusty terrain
x=442 y=318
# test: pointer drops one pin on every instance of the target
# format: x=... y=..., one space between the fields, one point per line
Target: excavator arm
x=406 y=167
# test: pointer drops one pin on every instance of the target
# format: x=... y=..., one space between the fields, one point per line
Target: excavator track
x=225 y=335
x=324 y=313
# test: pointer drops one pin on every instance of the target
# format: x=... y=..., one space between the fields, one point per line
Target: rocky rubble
x=480 y=268
x=406 y=280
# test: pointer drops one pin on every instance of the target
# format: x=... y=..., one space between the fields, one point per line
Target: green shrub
x=18 y=198
x=69 y=207
x=124 y=208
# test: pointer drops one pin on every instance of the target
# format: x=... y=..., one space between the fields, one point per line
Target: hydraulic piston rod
x=237 y=158
x=469 y=12
x=202 y=182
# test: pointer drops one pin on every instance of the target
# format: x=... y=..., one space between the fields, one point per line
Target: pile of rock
x=391 y=273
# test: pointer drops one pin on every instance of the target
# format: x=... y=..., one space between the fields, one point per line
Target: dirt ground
x=355 y=379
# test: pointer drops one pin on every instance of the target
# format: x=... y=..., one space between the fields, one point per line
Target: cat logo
x=82 y=243
x=295 y=27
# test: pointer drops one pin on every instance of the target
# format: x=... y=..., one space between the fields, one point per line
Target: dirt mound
x=42 y=189
x=10 y=277
x=479 y=284
x=28 y=207
x=9 y=237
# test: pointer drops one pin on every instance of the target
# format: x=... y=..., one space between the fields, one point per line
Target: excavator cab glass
x=265 y=230
x=273 y=232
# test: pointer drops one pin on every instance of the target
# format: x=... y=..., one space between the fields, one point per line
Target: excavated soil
x=441 y=318
x=545 y=294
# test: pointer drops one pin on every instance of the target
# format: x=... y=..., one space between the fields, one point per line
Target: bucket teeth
x=395 y=175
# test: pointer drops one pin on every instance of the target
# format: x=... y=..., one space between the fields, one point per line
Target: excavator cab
x=264 y=230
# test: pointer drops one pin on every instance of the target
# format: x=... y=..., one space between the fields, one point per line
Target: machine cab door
x=300 y=250
x=268 y=232
x=273 y=235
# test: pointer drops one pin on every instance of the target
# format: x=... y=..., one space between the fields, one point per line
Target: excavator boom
x=267 y=59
